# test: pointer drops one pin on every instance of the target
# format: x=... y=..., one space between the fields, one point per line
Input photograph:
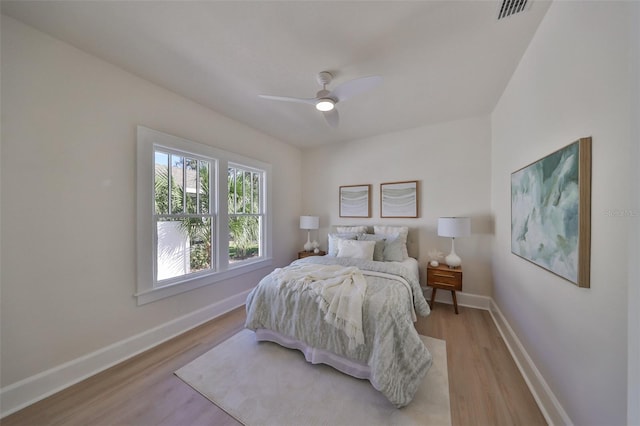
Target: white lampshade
x=309 y=222
x=454 y=227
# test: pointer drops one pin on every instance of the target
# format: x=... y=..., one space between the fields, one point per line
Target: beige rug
x=262 y=383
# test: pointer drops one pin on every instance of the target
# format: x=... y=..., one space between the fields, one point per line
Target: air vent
x=511 y=7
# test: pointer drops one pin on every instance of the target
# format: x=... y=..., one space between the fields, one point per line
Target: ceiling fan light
x=325 y=104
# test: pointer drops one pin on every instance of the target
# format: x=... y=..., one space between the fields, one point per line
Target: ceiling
x=440 y=60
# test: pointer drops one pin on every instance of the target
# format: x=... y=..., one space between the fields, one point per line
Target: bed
x=290 y=307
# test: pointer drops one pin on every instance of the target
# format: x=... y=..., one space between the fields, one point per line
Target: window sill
x=153 y=294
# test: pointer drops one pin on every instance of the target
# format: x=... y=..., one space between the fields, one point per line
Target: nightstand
x=444 y=278
x=303 y=254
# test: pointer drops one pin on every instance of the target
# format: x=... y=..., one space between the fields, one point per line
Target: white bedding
x=393 y=357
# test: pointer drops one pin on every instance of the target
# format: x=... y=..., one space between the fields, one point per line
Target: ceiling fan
x=325 y=100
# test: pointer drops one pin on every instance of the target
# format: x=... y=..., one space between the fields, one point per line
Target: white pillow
x=333 y=239
x=378 y=251
x=398 y=233
x=356 y=229
x=356 y=249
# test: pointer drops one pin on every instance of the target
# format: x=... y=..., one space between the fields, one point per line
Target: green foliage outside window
x=244 y=198
x=244 y=189
x=197 y=229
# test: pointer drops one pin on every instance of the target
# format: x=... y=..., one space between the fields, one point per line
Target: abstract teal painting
x=551 y=212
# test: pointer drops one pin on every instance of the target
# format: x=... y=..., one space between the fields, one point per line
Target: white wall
x=633 y=407
x=68 y=200
x=573 y=81
x=451 y=161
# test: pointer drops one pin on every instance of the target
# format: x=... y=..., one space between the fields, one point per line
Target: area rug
x=262 y=383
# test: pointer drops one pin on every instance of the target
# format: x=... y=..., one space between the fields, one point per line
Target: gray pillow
x=378 y=250
x=393 y=250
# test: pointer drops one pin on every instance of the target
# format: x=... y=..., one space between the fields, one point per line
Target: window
x=184 y=221
x=246 y=213
x=202 y=215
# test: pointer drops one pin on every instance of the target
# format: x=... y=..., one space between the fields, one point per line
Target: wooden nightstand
x=445 y=278
x=302 y=254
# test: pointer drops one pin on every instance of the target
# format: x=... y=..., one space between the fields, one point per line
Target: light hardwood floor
x=485 y=385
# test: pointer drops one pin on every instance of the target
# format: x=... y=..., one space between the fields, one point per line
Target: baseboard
x=464 y=299
x=551 y=409
x=32 y=389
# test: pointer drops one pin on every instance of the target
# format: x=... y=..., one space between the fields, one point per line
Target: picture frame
x=355 y=200
x=399 y=199
x=551 y=212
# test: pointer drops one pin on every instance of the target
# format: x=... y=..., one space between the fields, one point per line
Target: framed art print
x=399 y=199
x=355 y=201
x=551 y=212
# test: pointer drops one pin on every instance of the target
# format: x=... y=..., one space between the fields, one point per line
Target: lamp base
x=308 y=246
x=453 y=260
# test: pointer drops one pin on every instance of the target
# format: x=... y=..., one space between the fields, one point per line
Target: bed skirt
x=317 y=356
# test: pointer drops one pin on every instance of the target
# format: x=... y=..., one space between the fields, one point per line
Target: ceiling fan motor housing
x=324 y=78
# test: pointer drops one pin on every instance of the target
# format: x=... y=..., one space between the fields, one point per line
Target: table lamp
x=309 y=223
x=454 y=227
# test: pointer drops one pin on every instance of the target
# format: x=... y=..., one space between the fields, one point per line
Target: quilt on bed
x=392 y=347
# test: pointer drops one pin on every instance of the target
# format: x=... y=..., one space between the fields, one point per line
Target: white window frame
x=213 y=216
x=147 y=289
x=262 y=208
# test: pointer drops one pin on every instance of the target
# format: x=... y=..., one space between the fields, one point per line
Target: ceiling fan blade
x=353 y=87
x=332 y=117
x=311 y=101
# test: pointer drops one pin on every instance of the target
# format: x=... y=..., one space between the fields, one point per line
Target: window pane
x=244 y=237
x=232 y=184
x=244 y=191
x=199 y=230
x=161 y=182
x=173 y=249
x=191 y=174
x=204 y=187
x=240 y=191
x=177 y=187
x=184 y=246
x=256 y=202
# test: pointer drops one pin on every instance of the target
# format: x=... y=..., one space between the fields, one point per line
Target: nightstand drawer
x=444 y=279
